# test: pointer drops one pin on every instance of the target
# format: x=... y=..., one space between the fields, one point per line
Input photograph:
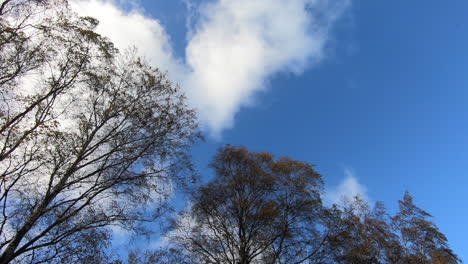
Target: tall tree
x=256 y=210
x=421 y=241
x=88 y=136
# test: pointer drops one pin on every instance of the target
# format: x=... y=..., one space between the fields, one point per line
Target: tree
x=421 y=241
x=259 y=209
x=159 y=256
x=364 y=235
x=89 y=137
x=361 y=234
x=256 y=210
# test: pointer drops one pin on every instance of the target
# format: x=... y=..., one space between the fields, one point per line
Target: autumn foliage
x=259 y=209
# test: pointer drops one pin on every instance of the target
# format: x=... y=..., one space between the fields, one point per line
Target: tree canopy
x=92 y=138
x=89 y=136
x=256 y=209
x=259 y=209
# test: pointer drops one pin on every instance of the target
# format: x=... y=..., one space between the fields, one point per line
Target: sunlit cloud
x=232 y=49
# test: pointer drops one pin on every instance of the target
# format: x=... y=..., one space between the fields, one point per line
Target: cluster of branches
x=261 y=210
x=89 y=137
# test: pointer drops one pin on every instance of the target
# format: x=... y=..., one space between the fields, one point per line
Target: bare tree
x=256 y=210
x=89 y=137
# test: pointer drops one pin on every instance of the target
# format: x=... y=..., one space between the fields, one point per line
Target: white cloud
x=346 y=190
x=232 y=48
x=133 y=29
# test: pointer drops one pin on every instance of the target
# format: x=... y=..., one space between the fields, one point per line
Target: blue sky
x=381 y=99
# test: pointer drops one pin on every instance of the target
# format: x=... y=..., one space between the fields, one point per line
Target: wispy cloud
x=233 y=47
x=346 y=190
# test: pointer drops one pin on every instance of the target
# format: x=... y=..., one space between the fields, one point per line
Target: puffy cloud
x=233 y=47
x=237 y=45
x=346 y=190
